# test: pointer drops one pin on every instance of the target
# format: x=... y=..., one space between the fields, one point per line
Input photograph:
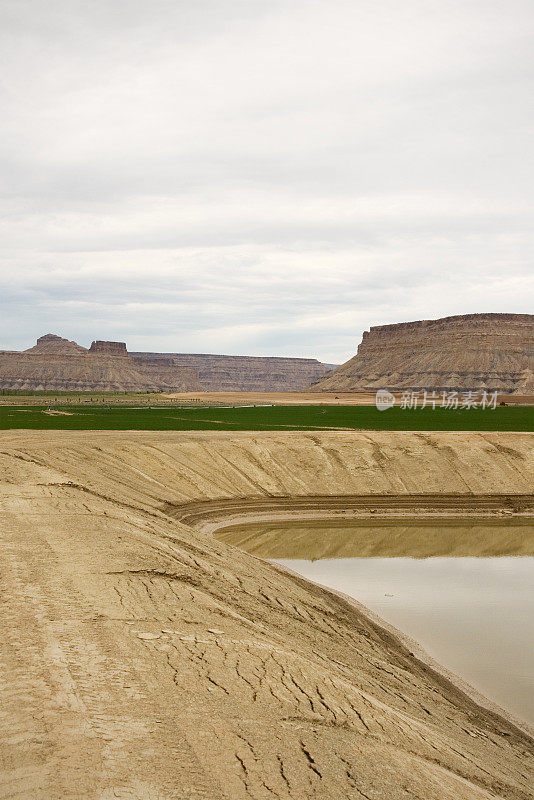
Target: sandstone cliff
x=55 y=364
x=50 y=344
x=461 y=353
x=219 y=373
x=109 y=348
x=167 y=372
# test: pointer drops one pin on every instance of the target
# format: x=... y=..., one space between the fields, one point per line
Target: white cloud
x=262 y=177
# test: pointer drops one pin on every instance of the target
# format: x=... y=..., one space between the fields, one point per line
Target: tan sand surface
x=302 y=398
x=276 y=398
x=143 y=659
x=217 y=398
x=210 y=516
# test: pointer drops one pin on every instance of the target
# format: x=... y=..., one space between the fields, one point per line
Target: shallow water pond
x=472 y=613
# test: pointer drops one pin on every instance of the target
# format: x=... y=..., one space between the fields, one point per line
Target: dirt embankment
x=143 y=659
x=212 y=515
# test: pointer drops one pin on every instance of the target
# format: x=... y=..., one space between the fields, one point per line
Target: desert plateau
x=459 y=353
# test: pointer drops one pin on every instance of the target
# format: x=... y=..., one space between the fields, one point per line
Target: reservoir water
x=462 y=590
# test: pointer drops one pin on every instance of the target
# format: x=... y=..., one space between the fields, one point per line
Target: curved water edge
x=484 y=532
x=471 y=618
x=418 y=651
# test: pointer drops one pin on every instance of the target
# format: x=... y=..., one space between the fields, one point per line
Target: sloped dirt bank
x=212 y=515
x=141 y=658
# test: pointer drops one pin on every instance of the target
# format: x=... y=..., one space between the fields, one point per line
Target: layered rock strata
x=219 y=373
x=474 y=352
x=56 y=364
x=109 y=348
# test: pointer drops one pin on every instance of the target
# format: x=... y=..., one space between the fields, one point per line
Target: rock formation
x=462 y=353
x=109 y=348
x=50 y=344
x=165 y=372
x=244 y=373
x=55 y=364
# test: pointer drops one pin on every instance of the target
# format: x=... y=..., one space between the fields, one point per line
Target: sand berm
x=143 y=659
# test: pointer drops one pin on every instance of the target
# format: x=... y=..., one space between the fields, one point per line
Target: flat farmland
x=264 y=417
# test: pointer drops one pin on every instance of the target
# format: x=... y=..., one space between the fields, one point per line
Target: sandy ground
x=216 y=398
x=276 y=398
x=302 y=398
x=210 y=516
x=142 y=659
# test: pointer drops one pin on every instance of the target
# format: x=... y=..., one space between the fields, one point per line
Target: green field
x=257 y=418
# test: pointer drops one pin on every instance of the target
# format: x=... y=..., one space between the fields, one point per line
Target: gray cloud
x=262 y=177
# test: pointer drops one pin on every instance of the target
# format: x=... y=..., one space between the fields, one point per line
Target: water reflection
x=473 y=614
x=373 y=539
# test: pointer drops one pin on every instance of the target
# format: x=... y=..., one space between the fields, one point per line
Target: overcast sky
x=265 y=177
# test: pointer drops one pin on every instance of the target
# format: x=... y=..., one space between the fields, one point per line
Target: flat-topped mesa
x=99 y=347
x=221 y=373
x=56 y=364
x=168 y=374
x=471 y=352
x=154 y=361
